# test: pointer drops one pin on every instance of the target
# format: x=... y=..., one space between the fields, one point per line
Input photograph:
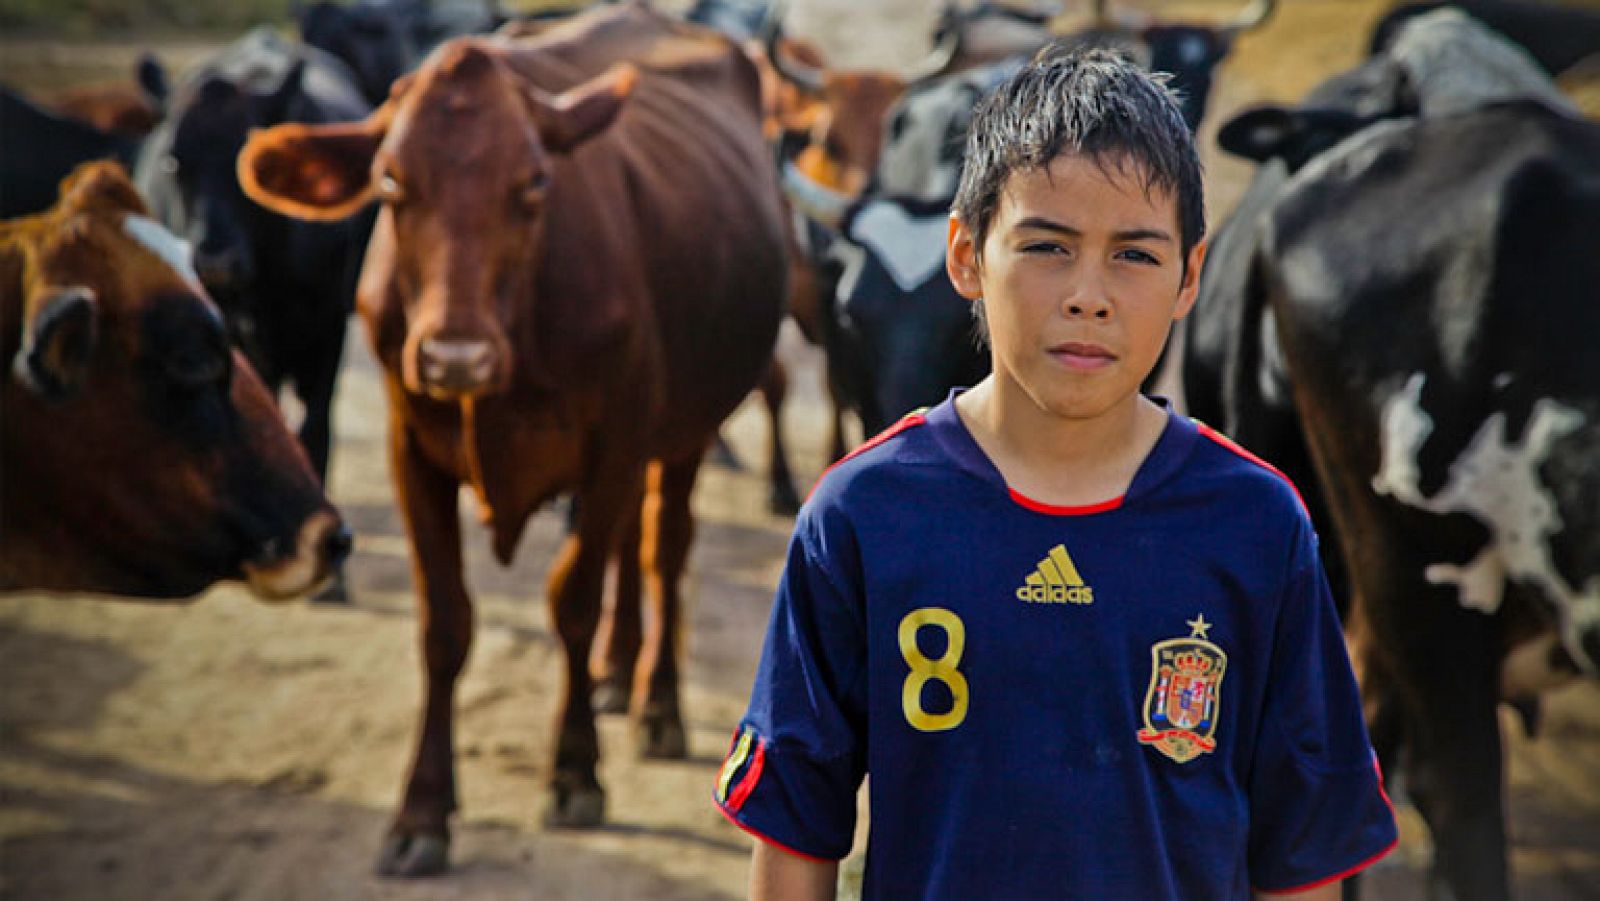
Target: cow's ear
x=1259 y=134
x=57 y=342
x=579 y=113
x=319 y=172
x=152 y=78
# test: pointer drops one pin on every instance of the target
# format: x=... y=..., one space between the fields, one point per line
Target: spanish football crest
x=1185 y=694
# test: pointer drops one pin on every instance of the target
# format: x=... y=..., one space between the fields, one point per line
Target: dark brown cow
x=579 y=268
x=139 y=453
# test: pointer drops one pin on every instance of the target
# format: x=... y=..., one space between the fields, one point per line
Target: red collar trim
x=1052 y=510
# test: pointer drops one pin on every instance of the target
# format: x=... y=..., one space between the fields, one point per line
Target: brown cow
x=139 y=454
x=578 y=269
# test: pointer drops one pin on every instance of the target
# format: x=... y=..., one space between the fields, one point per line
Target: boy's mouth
x=1078 y=355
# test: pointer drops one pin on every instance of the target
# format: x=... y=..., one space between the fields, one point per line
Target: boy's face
x=1082 y=275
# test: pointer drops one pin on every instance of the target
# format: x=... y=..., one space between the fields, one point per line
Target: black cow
x=1366 y=322
x=286 y=287
x=38 y=148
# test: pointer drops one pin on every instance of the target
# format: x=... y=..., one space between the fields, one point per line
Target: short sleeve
x=798 y=757
x=1318 y=811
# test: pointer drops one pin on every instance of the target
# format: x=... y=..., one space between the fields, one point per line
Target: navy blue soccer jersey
x=1148 y=698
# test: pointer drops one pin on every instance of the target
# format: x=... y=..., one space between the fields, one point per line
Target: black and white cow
x=375 y=38
x=1559 y=37
x=286 y=287
x=1391 y=317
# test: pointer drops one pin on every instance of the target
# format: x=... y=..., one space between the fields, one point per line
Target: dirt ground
x=232 y=750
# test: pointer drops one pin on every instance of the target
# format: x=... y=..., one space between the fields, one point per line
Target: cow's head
x=466 y=158
x=141 y=455
x=375 y=41
x=200 y=196
x=835 y=120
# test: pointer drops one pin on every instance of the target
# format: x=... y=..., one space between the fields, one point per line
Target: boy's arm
x=779 y=876
x=1329 y=892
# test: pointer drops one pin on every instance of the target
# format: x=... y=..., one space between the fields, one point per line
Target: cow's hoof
x=413 y=856
x=783 y=501
x=580 y=808
x=335 y=593
x=661 y=737
x=610 y=695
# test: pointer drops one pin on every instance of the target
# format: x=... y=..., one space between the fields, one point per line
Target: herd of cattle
x=572 y=243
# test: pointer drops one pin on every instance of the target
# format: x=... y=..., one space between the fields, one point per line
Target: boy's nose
x=1089 y=301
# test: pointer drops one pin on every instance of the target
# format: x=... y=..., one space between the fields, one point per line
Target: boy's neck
x=1056 y=460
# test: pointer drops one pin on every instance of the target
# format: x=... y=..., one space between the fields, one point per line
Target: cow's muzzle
x=279 y=572
x=451 y=370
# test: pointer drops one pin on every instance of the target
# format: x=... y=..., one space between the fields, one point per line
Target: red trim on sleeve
x=905 y=422
x=752 y=775
x=1231 y=445
x=1346 y=874
x=770 y=840
x=1053 y=510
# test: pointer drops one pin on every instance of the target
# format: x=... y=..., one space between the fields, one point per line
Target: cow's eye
x=390 y=190
x=531 y=192
x=198 y=368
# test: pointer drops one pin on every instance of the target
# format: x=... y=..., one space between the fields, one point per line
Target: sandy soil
x=227 y=749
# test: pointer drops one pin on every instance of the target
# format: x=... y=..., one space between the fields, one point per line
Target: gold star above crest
x=1199 y=625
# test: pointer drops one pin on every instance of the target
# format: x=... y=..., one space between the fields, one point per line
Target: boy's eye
x=1139 y=256
x=1043 y=247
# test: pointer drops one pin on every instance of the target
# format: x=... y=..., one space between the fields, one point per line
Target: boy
x=1083 y=646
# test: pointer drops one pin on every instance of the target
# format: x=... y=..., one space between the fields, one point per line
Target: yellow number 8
x=942 y=669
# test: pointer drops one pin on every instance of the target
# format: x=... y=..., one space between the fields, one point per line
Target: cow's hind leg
x=620 y=636
x=1453 y=755
x=418 y=841
x=668 y=531
x=577 y=579
x=782 y=498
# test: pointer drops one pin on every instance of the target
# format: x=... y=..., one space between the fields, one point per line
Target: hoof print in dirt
x=413 y=856
x=610 y=695
x=661 y=737
x=568 y=808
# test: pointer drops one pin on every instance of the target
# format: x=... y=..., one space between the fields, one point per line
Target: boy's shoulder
x=1235 y=475
x=877 y=460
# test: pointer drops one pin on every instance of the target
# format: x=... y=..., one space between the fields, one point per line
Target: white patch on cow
x=1479 y=583
x=1455 y=63
x=171 y=249
x=1497 y=483
x=1503 y=380
x=911 y=249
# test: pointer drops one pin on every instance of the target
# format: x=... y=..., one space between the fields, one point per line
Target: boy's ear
x=961 y=259
x=1190 y=289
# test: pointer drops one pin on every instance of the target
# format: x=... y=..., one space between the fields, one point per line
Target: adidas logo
x=1056 y=581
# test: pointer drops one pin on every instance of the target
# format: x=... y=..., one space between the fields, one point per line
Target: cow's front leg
x=418 y=842
x=576 y=580
x=668 y=531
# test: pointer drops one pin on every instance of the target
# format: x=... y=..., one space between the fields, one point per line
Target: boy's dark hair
x=1088 y=101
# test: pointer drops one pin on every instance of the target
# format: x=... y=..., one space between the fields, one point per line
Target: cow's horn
x=1251 y=17
x=802 y=75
